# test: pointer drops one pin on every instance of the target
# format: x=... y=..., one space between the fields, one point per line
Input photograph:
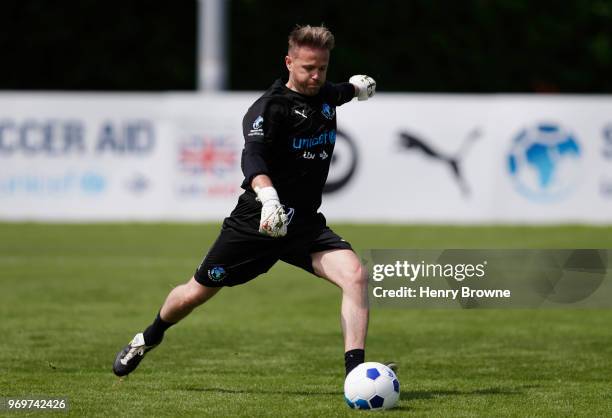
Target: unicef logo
x=93 y=183
x=544 y=162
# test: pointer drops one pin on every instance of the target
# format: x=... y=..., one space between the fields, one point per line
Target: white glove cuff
x=266 y=194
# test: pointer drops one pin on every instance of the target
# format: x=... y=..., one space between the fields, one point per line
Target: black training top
x=290 y=137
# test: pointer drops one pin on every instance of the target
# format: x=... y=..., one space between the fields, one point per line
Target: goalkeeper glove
x=274 y=220
x=365 y=85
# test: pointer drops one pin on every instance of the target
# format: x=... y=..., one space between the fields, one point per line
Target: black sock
x=154 y=334
x=353 y=358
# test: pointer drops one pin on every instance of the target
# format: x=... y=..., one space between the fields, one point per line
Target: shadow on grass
x=265 y=392
x=337 y=394
x=405 y=395
x=429 y=394
x=432 y=394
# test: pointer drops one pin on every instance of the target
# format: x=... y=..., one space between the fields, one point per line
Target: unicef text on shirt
x=305 y=143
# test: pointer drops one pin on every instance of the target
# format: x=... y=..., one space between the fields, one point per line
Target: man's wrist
x=266 y=194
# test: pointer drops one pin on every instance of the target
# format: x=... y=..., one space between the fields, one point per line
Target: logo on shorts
x=217 y=273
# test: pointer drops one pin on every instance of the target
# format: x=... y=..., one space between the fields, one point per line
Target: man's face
x=307 y=69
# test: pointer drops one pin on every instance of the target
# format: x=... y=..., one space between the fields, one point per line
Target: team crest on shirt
x=257 y=127
x=328 y=111
x=217 y=273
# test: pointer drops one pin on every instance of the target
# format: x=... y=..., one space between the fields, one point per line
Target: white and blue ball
x=371 y=386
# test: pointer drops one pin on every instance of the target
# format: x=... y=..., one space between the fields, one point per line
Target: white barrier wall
x=398 y=158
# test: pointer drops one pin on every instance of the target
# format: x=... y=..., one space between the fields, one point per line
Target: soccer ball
x=371 y=386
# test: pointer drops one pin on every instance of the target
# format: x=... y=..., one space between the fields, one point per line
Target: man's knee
x=353 y=275
x=194 y=294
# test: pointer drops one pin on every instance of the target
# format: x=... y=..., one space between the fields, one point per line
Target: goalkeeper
x=289 y=134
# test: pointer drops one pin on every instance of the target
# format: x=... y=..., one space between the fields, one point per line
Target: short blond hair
x=312 y=36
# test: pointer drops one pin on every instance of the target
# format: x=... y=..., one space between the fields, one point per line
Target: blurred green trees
x=414 y=45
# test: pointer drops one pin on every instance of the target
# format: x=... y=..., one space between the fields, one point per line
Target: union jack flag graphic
x=205 y=155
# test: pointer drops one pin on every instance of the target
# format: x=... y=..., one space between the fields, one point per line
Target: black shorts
x=241 y=253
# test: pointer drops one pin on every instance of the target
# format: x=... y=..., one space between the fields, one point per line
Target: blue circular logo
x=544 y=162
x=217 y=273
x=93 y=183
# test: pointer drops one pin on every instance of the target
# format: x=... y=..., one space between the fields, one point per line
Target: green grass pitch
x=72 y=295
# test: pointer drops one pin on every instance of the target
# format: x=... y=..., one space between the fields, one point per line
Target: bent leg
x=185 y=298
x=179 y=303
x=342 y=268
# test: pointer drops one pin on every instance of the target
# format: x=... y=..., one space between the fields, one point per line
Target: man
x=289 y=134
